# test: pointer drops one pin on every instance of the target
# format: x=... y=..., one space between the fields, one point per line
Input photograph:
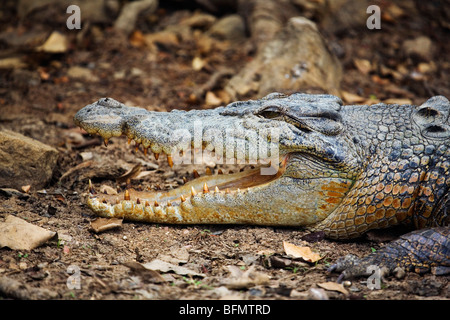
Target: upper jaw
x=174 y=133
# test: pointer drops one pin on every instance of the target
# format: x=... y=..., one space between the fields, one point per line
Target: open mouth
x=218 y=184
x=288 y=186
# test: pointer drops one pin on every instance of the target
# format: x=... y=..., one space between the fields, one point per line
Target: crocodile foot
x=420 y=251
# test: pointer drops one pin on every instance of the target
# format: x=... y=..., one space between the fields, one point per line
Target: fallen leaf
x=103 y=224
x=351 y=97
x=130 y=174
x=397 y=101
x=176 y=255
x=333 y=286
x=363 y=65
x=107 y=189
x=378 y=80
x=137 y=39
x=424 y=67
x=198 y=63
x=17 y=234
x=56 y=43
x=240 y=279
x=212 y=100
x=145 y=273
x=300 y=252
x=163 y=266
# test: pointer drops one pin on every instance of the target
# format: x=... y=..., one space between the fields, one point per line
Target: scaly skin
x=343 y=170
x=418 y=251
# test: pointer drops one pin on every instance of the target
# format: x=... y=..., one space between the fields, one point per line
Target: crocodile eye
x=270 y=113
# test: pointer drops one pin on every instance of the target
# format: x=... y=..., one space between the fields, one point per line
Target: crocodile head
x=305 y=161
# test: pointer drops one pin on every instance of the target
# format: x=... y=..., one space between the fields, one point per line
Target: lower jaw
x=232 y=183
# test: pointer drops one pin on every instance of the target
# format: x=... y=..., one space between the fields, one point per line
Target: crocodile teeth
x=156 y=155
x=156 y=204
x=216 y=189
x=182 y=198
x=193 y=192
x=126 y=196
x=195 y=173
x=205 y=188
x=105 y=141
x=91 y=188
x=170 y=160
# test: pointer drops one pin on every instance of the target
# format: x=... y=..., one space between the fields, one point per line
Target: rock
x=12 y=63
x=130 y=13
x=297 y=58
x=17 y=234
x=82 y=73
x=264 y=18
x=166 y=39
x=199 y=20
x=25 y=161
x=228 y=28
x=341 y=15
x=421 y=47
x=96 y=11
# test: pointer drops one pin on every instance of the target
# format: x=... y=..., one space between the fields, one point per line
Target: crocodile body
x=339 y=169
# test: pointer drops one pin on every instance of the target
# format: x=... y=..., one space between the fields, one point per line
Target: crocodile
x=341 y=170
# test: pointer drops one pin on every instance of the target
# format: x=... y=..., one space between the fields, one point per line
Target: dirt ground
x=40 y=99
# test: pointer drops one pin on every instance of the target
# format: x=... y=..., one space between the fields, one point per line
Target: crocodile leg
x=418 y=251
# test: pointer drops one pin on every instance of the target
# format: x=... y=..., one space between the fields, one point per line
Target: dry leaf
x=130 y=174
x=17 y=234
x=107 y=189
x=198 y=63
x=212 y=100
x=56 y=43
x=364 y=66
x=145 y=273
x=300 y=252
x=102 y=224
x=137 y=39
x=398 y=101
x=351 y=97
x=333 y=286
x=240 y=279
x=163 y=266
